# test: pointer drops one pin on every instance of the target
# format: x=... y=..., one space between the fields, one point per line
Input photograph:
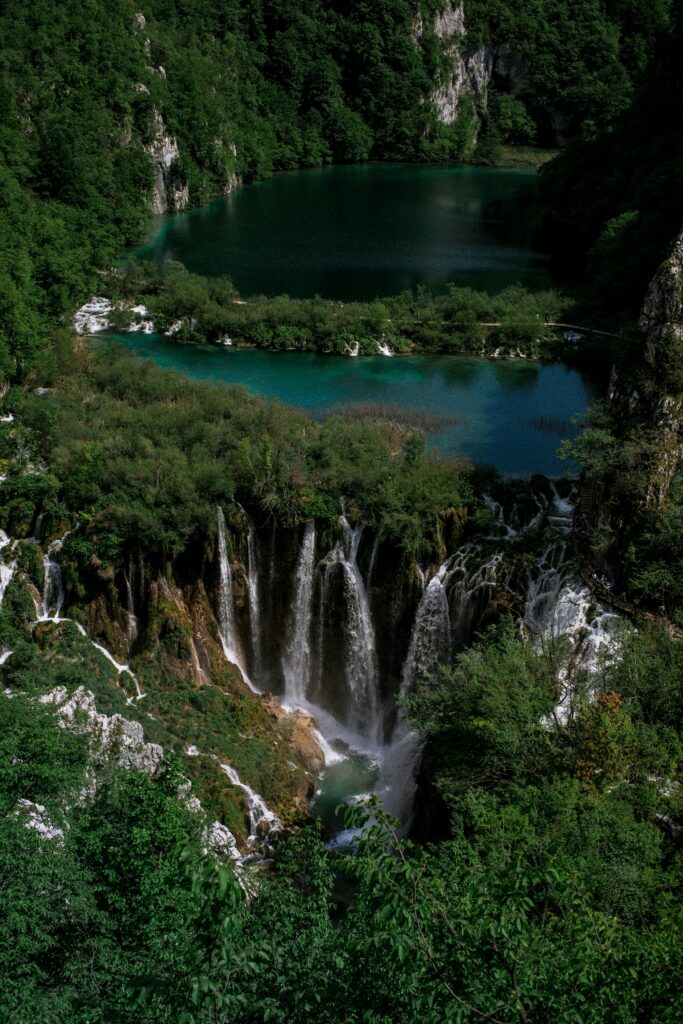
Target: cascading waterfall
x=226 y=604
x=6 y=570
x=254 y=600
x=131 y=618
x=430 y=641
x=53 y=585
x=548 y=581
x=544 y=587
x=503 y=530
x=39 y=527
x=474 y=581
x=361 y=710
x=261 y=818
x=296 y=661
x=430 y=646
x=121 y=669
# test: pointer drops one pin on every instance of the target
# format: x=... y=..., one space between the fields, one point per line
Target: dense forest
x=89 y=93
x=541 y=880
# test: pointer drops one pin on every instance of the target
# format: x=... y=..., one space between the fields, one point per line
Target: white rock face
x=470 y=76
x=222 y=842
x=163 y=151
x=115 y=738
x=35 y=817
x=661 y=318
x=662 y=311
x=112 y=736
x=451 y=21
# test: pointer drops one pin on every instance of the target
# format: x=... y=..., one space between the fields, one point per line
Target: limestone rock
x=662 y=321
x=35 y=817
x=663 y=307
x=112 y=737
x=163 y=151
x=451 y=21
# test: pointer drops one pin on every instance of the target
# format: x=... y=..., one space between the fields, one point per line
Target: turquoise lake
x=511 y=414
x=353 y=233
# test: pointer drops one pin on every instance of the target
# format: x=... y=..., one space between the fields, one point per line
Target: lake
x=511 y=414
x=354 y=233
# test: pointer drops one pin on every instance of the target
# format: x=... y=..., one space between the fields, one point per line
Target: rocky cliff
x=662 y=323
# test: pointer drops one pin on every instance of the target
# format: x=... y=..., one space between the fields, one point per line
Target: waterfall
x=39 y=526
x=53 y=585
x=360 y=671
x=559 y=605
x=254 y=601
x=259 y=812
x=226 y=605
x=296 y=661
x=131 y=618
x=120 y=668
x=362 y=657
x=475 y=581
x=261 y=818
x=547 y=579
x=504 y=530
x=373 y=561
x=6 y=571
x=544 y=587
x=430 y=641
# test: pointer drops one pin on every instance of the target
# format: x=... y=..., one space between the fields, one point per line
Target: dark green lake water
x=510 y=414
x=363 y=231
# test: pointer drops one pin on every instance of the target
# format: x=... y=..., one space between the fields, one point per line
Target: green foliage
x=38 y=761
x=83 y=89
x=486 y=714
x=553 y=896
x=463 y=320
x=614 y=198
x=144 y=457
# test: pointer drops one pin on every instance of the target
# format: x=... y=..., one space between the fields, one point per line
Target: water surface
x=509 y=414
x=354 y=233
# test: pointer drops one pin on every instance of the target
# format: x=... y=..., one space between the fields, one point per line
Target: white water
x=430 y=640
x=226 y=606
x=53 y=601
x=297 y=657
x=474 y=581
x=7 y=570
x=259 y=811
x=53 y=586
x=559 y=605
x=131 y=618
x=254 y=600
x=120 y=668
x=37 y=533
x=361 y=669
x=93 y=317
